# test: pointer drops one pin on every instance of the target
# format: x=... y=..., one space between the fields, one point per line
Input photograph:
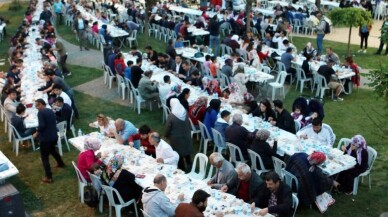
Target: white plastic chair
x=81 y=182
x=17 y=139
x=194 y=130
x=110 y=77
x=72 y=127
x=322 y=86
x=233 y=150
x=224 y=80
x=225 y=50
x=144 y=213
x=109 y=191
x=139 y=100
x=96 y=182
x=289 y=179
x=62 y=130
x=254 y=156
x=166 y=112
x=278 y=165
x=372 y=155
x=121 y=86
x=130 y=87
x=203 y=160
x=295 y=203
x=282 y=68
x=219 y=142
x=279 y=83
x=205 y=137
x=266 y=69
x=301 y=78
x=132 y=38
x=343 y=141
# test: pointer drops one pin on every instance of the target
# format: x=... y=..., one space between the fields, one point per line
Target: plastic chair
x=282 y=67
x=121 y=86
x=194 y=130
x=130 y=88
x=81 y=182
x=144 y=213
x=295 y=203
x=72 y=128
x=343 y=141
x=290 y=179
x=225 y=49
x=62 y=129
x=266 y=69
x=96 y=182
x=203 y=160
x=232 y=151
x=17 y=139
x=219 y=142
x=297 y=125
x=132 y=38
x=224 y=81
x=205 y=137
x=372 y=155
x=139 y=100
x=109 y=191
x=301 y=78
x=166 y=112
x=322 y=86
x=110 y=77
x=279 y=83
x=254 y=156
x=278 y=165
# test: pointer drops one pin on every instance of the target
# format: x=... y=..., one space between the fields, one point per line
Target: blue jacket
x=220 y=126
x=47 y=125
x=210 y=120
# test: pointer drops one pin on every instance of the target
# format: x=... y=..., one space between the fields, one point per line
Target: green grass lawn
x=359 y=113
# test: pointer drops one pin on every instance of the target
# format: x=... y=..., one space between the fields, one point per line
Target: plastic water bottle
x=79 y=132
x=142 y=150
x=216 y=95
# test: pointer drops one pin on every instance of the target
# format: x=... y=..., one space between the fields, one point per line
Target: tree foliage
x=384 y=37
x=379 y=81
x=350 y=17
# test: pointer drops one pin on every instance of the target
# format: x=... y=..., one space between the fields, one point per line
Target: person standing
x=320 y=32
x=58 y=6
x=48 y=137
x=79 y=26
x=214 y=29
x=383 y=37
x=61 y=50
x=363 y=32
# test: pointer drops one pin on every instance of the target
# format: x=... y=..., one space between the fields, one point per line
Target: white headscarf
x=177 y=109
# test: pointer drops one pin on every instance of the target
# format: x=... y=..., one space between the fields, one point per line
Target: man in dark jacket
x=246 y=186
x=62 y=111
x=214 y=31
x=48 y=138
x=17 y=121
x=275 y=197
x=284 y=120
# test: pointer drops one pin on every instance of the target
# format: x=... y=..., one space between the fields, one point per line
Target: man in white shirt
x=10 y=103
x=164 y=152
x=155 y=202
x=164 y=88
x=316 y=131
x=279 y=38
x=57 y=90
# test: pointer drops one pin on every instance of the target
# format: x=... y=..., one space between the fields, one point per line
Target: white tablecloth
x=11 y=171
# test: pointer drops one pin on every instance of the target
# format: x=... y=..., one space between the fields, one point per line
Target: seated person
x=196 y=207
x=264 y=111
x=87 y=159
x=330 y=55
x=283 y=120
x=105 y=33
x=155 y=202
x=164 y=153
x=262 y=148
x=57 y=90
x=10 y=103
x=197 y=110
x=309 y=50
x=246 y=186
x=275 y=197
x=327 y=71
x=121 y=179
x=222 y=123
x=143 y=136
x=225 y=172
x=357 y=149
x=62 y=111
x=123 y=130
x=104 y=123
x=148 y=89
x=286 y=59
x=317 y=132
x=312 y=182
x=17 y=120
x=179 y=42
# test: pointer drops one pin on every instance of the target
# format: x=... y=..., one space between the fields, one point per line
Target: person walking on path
x=364 y=31
x=384 y=37
x=80 y=26
x=61 y=50
x=58 y=7
x=320 y=32
x=48 y=137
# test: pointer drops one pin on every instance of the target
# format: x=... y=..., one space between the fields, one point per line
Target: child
x=214 y=66
x=298 y=116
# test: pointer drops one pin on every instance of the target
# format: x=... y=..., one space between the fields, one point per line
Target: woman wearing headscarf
x=236 y=96
x=178 y=130
x=213 y=87
x=211 y=114
x=262 y=148
x=241 y=79
x=198 y=109
x=87 y=158
x=175 y=90
x=121 y=179
x=233 y=43
x=312 y=182
x=357 y=149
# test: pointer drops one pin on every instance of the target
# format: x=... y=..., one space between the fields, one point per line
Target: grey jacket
x=156 y=203
x=224 y=175
x=146 y=88
x=321 y=26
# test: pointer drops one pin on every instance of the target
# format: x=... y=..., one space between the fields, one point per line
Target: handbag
x=323 y=202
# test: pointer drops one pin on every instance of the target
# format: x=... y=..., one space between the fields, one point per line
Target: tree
x=379 y=81
x=248 y=9
x=148 y=7
x=350 y=17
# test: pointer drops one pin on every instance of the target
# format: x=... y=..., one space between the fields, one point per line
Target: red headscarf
x=315 y=159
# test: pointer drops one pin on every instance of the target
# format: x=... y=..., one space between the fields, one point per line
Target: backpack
x=327 y=27
x=91 y=197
